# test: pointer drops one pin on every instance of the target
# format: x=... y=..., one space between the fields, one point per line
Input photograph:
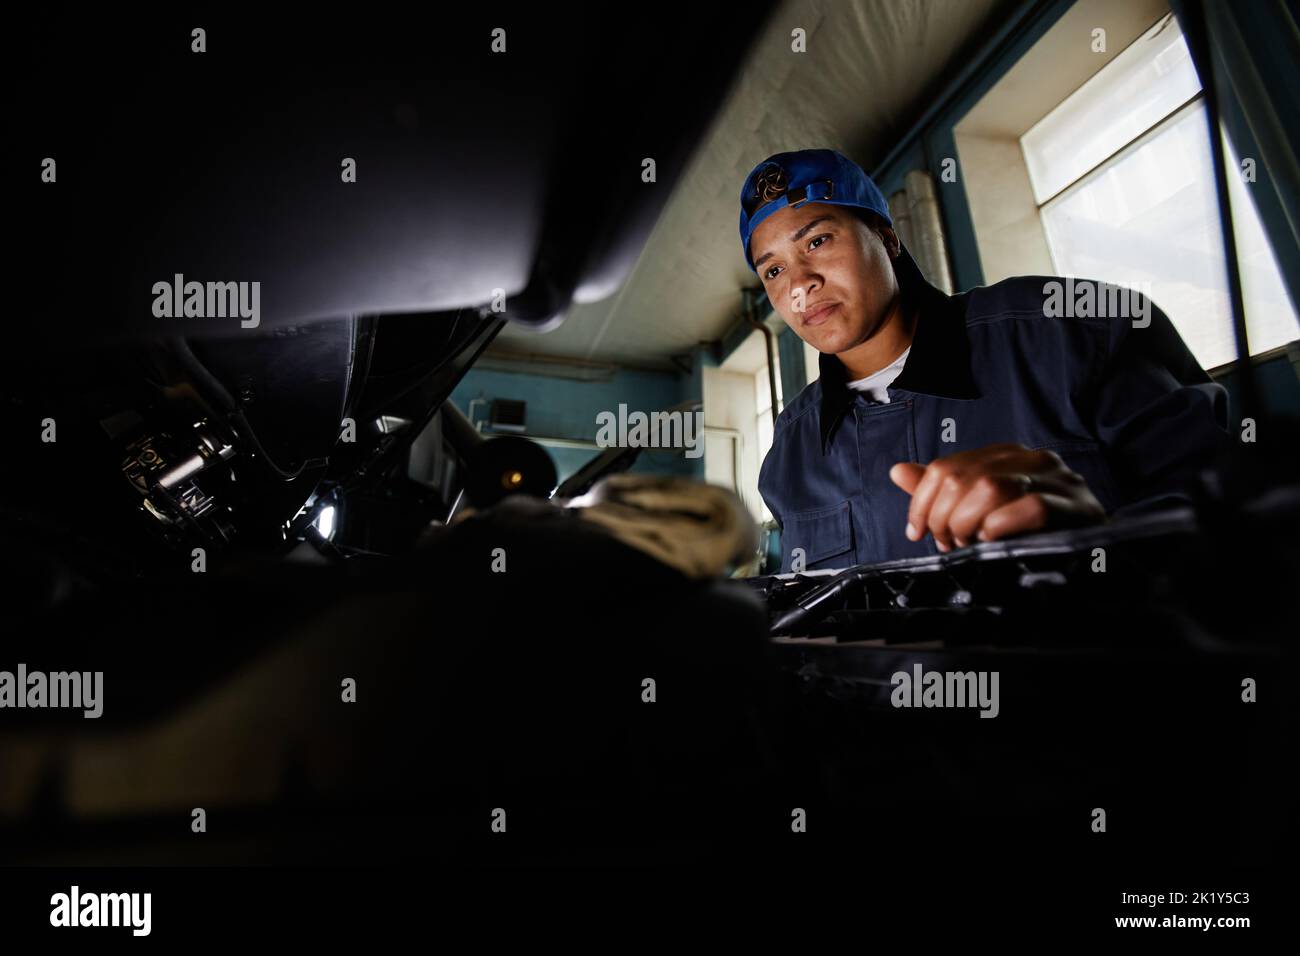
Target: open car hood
x=376 y=207
x=479 y=175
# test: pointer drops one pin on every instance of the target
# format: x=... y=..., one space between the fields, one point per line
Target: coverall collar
x=938 y=365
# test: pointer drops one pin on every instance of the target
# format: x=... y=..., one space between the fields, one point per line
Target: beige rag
x=698 y=529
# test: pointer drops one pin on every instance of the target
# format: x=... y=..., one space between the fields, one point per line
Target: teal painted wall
x=567 y=408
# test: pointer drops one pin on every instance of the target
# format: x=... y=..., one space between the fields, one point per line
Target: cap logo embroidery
x=771 y=184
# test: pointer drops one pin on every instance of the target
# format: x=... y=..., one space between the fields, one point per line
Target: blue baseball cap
x=809 y=175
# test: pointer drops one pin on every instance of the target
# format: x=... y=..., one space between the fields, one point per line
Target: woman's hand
x=992 y=493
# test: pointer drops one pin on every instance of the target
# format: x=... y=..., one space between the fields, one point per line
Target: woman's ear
x=890 y=239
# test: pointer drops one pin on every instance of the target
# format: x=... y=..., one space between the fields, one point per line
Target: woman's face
x=827 y=273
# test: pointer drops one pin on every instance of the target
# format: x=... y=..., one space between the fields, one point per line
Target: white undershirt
x=875 y=386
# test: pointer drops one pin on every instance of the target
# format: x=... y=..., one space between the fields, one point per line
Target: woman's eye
x=816 y=241
x=771 y=273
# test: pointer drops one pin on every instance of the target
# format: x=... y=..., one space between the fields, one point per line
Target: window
x=738 y=421
x=763 y=421
x=1124 y=181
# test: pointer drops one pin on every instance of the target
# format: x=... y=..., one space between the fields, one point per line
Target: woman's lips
x=818 y=315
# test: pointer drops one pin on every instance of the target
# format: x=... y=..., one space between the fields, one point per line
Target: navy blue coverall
x=1126 y=406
